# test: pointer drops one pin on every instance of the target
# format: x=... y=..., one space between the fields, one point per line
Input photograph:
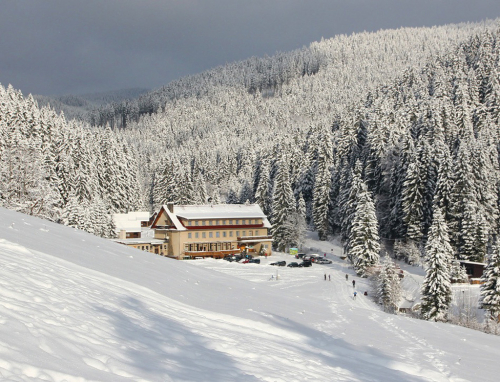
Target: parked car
x=255 y=261
x=299 y=255
x=322 y=260
x=293 y=265
x=313 y=257
x=305 y=263
x=279 y=263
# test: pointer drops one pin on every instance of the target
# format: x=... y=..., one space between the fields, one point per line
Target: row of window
x=209 y=247
x=203 y=235
x=223 y=222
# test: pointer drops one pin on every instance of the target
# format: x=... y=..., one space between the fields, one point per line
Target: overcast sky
x=56 y=47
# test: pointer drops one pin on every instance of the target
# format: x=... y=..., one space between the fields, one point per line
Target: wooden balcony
x=254 y=239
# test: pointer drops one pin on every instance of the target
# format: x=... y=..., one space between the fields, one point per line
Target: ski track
x=135 y=332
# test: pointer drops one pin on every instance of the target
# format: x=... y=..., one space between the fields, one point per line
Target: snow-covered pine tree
x=436 y=289
x=350 y=187
x=490 y=287
x=262 y=194
x=388 y=285
x=186 y=191
x=201 y=195
x=321 y=199
x=364 y=245
x=283 y=207
x=458 y=274
x=322 y=185
x=301 y=207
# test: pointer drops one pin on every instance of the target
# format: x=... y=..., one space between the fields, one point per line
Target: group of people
x=353 y=285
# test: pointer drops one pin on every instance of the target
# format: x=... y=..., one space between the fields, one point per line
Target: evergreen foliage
x=284 y=209
x=490 y=287
x=364 y=245
x=436 y=289
x=388 y=285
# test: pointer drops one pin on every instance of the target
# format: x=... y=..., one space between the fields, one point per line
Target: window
x=189 y=222
x=224 y=234
x=197 y=222
x=210 y=222
x=250 y=233
x=210 y=234
x=237 y=221
x=189 y=235
x=196 y=235
x=204 y=222
x=256 y=233
x=230 y=222
x=216 y=222
x=237 y=233
x=203 y=235
x=230 y=233
x=244 y=233
x=217 y=234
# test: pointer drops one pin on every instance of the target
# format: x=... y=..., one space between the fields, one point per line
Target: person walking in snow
x=353 y=283
x=325 y=276
x=329 y=279
x=354 y=297
x=346 y=277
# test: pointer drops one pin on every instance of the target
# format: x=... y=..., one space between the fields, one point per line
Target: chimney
x=170 y=207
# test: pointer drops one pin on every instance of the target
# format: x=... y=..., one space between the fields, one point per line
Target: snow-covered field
x=74 y=307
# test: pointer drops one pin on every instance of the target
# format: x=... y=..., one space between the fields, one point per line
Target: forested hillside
x=63 y=171
x=371 y=132
x=87 y=107
x=405 y=120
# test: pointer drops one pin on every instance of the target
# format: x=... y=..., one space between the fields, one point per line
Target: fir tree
x=436 y=289
x=364 y=246
x=490 y=287
x=388 y=285
x=283 y=208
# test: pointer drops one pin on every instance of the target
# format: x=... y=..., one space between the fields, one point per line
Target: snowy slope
x=77 y=307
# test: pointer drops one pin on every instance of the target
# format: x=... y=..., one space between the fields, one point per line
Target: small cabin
x=474 y=270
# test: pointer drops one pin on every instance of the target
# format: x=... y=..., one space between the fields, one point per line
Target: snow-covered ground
x=74 y=307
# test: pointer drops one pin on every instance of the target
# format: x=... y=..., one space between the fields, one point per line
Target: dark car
x=279 y=263
x=255 y=261
x=293 y=265
x=299 y=255
x=305 y=263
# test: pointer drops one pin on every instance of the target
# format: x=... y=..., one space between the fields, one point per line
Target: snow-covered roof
x=406 y=304
x=216 y=211
x=139 y=240
x=131 y=221
x=219 y=211
x=471 y=262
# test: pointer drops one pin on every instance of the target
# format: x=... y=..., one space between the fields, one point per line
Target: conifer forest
x=386 y=141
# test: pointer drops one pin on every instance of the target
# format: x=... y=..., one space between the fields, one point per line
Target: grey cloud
x=62 y=46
